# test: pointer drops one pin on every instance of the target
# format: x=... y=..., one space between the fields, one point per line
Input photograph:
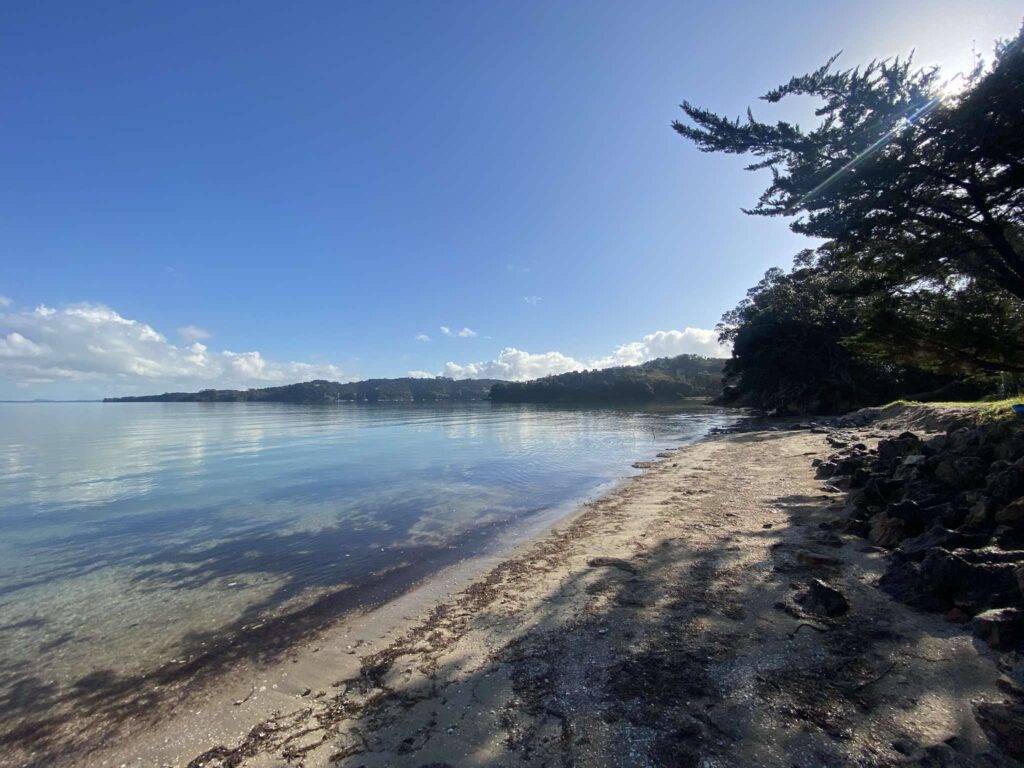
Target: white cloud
x=465 y=333
x=518 y=365
x=193 y=333
x=515 y=365
x=4 y=301
x=422 y=337
x=689 y=341
x=420 y=375
x=93 y=343
x=534 y=300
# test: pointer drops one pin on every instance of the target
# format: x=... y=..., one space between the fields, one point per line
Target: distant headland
x=665 y=379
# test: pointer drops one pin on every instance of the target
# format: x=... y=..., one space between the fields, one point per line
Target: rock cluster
x=950 y=509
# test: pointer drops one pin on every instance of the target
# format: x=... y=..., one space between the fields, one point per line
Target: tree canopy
x=916 y=184
x=919 y=181
x=790 y=350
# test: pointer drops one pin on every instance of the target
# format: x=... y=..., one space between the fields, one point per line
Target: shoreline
x=644 y=628
x=272 y=657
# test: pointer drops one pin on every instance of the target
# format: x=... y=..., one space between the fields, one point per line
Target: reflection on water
x=130 y=531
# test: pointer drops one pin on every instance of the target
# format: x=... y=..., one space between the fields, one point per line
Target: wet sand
x=656 y=626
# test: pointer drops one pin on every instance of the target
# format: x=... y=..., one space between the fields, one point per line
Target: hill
x=404 y=390
x=665 y=379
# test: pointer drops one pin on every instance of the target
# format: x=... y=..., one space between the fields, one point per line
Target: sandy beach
x=658 y=626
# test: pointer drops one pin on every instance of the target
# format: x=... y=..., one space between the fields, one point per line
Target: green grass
x=987 y=410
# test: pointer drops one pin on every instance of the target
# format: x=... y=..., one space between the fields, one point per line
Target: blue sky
x=310 y=186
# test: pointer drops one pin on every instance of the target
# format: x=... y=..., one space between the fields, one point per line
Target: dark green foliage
x=790 y=350
x=915 y=185
x=919 y=194
x=404 y=390
x=974 y=330
x=664 y=380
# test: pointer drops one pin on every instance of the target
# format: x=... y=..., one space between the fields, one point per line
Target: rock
x=897 y=447
x=1004 y=725
x=972 y=580
x=962 y=473
x=1012 y=514
x=979 y=511
x=825 y=469
x=1010 y=686
x=1001 y=628
x=881 y=490
x=823 y=599
x=1008 y=537
x=916 y=547
x=915 y=460
x=1005 y=481
x=814 y=560
x=1012 y=664
x=828 y=539
x=860 y=528
x=909 y=512
x=860 y=478
x=957 y=616
x=849 y=465
x=887 y=531
x=904 y=746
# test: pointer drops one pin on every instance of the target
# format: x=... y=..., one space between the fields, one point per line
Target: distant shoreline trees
x=667 y=379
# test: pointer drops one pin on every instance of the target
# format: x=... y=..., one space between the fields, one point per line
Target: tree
x=790 y=347
x=919 y=184
x=968 y=330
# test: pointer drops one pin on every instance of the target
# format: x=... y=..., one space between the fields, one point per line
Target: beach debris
x=240 y=702
x=613 y=562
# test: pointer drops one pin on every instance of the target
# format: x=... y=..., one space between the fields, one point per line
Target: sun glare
x=953 y=87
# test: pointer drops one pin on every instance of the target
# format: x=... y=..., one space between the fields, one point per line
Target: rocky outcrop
x=949 y=508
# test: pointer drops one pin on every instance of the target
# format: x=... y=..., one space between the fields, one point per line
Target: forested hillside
x=665 y=379
x=404 y=390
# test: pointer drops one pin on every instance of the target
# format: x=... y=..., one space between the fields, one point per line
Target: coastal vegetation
x=664 y=380
x=403 y=390
x=916 y=186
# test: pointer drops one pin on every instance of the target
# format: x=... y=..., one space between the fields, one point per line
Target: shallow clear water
x=135 y=534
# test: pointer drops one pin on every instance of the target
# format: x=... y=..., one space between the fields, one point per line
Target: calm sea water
x=133 y=534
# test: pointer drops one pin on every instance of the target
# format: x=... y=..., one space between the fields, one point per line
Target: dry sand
x=655 y=627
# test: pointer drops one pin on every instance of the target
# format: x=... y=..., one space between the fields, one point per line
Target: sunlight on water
x=134 y=534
